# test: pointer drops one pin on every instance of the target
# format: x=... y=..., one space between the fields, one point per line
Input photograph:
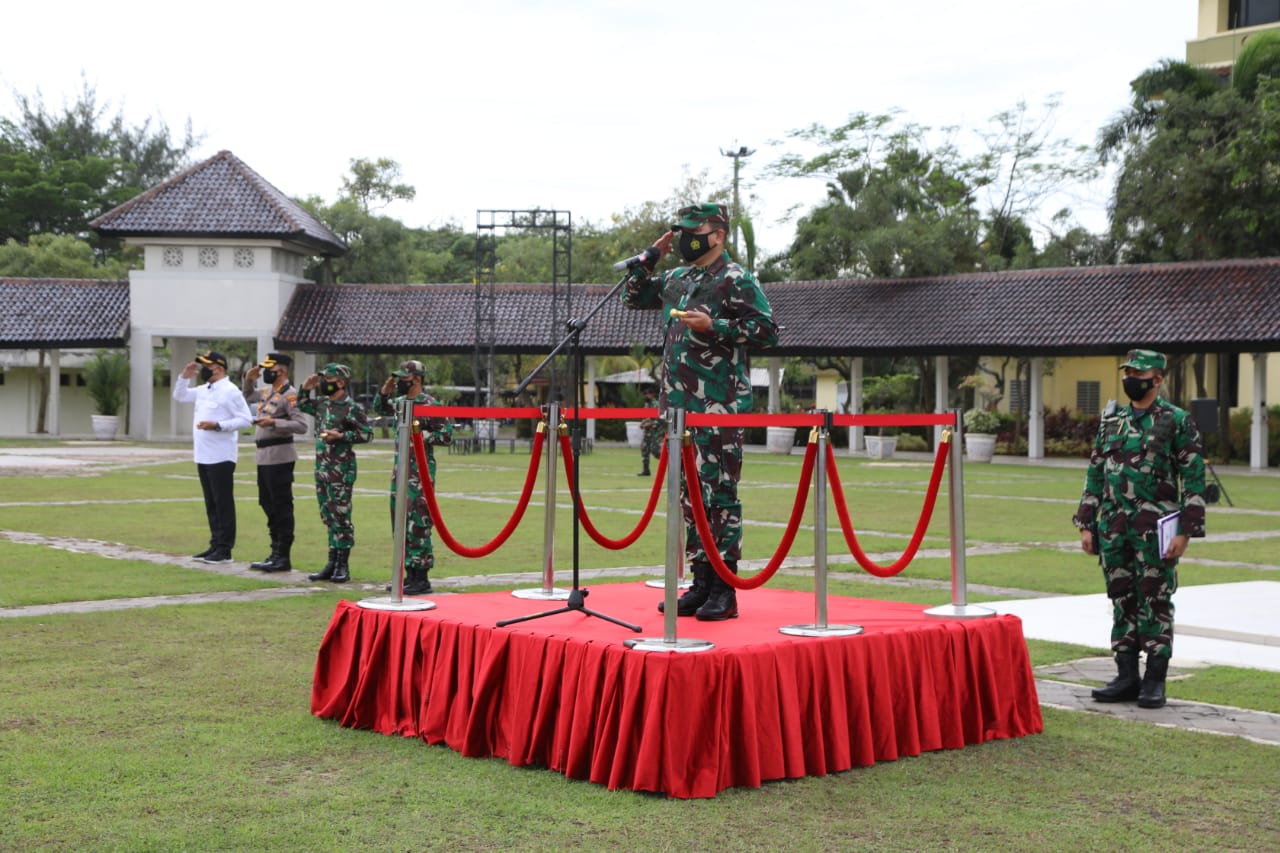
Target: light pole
x=738 y=156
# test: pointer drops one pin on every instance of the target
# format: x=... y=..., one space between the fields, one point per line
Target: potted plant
x=106 y=378
x=980 y=428
x=891 y=394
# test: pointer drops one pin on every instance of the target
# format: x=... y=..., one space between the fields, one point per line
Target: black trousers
x=219 y=503
x=275 y=496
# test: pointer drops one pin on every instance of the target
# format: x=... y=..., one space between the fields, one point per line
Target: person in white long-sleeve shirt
x=220 y=414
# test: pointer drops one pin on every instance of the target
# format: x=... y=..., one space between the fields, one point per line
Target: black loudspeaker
x=1205 y=411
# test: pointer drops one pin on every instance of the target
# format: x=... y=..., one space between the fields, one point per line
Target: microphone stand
x=573 y=340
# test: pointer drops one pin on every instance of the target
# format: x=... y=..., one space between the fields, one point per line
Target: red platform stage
x=564 y=692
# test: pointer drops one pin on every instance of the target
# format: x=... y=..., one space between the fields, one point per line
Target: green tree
x=61 y=168
x=62 y=256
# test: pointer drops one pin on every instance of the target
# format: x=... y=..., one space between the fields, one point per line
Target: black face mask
x=403 y=386
x=330 y=388
x=270 y=376
x=206 y=373
x=1135 y=388
x=694 y=246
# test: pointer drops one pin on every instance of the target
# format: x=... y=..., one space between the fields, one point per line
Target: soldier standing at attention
x=276 y=416
x=340 y=423
x=402 y=384
x=713 y=313
x=1146 y=464
x=651 y=430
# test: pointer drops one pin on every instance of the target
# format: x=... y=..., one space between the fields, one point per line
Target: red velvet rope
x=761 y=577
x=428 y=490
x=922 y=524
x=566 y=451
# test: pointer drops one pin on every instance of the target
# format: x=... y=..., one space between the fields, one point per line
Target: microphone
x=645 y=258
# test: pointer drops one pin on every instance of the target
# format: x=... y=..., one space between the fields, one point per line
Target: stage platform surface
x=565 y=693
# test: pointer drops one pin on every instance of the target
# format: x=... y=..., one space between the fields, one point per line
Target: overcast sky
x=590 y=106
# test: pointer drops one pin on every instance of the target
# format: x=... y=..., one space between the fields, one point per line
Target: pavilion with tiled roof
x=224 y=252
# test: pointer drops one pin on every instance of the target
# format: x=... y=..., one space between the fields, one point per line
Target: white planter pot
x=486 y=430
x=105 y=426
x=635 y=433
x=780 y=439
x=881 y=446
x=979 y=446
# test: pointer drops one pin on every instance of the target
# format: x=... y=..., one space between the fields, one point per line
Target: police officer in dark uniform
x=276 y=416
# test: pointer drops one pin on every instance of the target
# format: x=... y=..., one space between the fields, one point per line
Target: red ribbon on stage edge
x=429 y=492
x=761 y=577
x=566 y=452
x=922 y=524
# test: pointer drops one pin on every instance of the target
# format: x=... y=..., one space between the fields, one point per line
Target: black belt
x=272 y=442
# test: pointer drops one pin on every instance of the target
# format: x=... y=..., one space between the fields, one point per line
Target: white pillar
x=857 y=435
x=53 y=413
x=304 y=364
x=182 y=351
x=1035 y=413
x=775 y=383
x=141 y=390
x=941 y=392
x=1258 y=429
x=265 y=345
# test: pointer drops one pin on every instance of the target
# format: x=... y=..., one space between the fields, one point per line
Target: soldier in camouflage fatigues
x=651 y=432
x=719 y=313
x=419 y=557
x=1146 y=463
x=340 y=423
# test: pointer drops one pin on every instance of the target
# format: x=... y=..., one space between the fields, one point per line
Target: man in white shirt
x=220 y=413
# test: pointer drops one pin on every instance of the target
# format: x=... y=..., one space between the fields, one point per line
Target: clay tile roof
x=48 y=312
x=441 y=318
x=1212 y=306
x=221 y=197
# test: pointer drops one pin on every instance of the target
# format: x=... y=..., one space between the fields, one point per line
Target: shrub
x=981 y=421
x=106 y=378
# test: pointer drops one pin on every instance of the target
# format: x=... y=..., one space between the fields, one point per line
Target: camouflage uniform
x=419 y=556
x=336 y=461
x=652 y=432
x=708 y=372
x=1145 y=464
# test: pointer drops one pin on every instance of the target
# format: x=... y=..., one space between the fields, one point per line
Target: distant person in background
x=407 y=384
x=651 y=435
x=341 y=422
x=275 y=414
x=220 y=413
x=1146 y=464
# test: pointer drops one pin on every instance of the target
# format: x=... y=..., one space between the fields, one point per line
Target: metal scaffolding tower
x=490 y=224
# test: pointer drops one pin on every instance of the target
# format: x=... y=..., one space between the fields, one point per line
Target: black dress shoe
x=262 y=565
x=217 y=557
x=280 y=564
x=206 y=552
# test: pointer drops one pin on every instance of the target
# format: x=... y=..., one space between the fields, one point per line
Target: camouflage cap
x=411 y=368
x=695 y=216
x=276 y=359
x=334 y=370
x=1144 y=359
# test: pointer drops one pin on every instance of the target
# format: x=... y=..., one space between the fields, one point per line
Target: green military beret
x=695 y=216
x=1144 y=359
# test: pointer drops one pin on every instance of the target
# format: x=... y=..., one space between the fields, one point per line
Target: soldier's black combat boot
x=327 y=572
x=722 y=601
x=1152 y=694
x=416 y=582
x=1124 y=687
x=279 y=561
x=262 y=564
x=341 y=568
x=696 y=595
x=644 y=469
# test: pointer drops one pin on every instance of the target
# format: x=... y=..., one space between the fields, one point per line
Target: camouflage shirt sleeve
x=357 y=429
x=1188 y=451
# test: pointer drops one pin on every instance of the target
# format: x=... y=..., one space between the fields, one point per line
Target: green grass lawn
x=187 y=727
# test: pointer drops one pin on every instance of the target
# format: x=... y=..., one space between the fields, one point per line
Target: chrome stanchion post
x=668 y=642
x=959 y=608
x=820 y=628
x=548 y=592
x=406 y=425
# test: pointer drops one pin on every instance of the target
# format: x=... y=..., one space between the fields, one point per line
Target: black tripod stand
x=573 y=340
